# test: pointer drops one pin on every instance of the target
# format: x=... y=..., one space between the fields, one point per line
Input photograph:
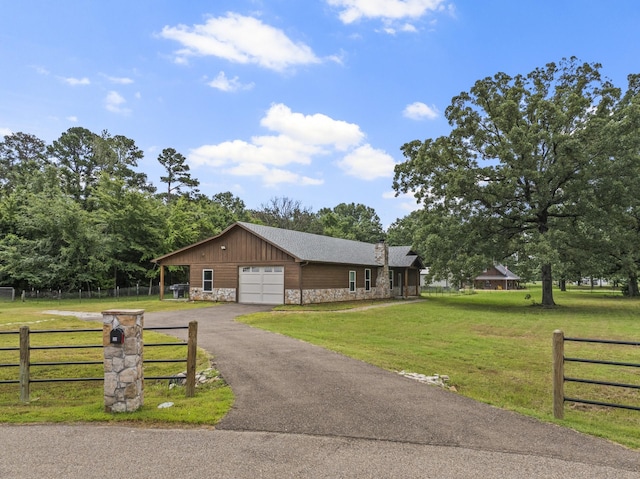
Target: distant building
x=497 y=277
x=426 y=280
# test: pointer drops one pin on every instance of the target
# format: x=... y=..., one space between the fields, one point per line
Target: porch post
x=161 y=282
x=406 y=283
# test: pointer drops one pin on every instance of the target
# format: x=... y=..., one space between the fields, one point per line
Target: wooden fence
x=25 y=378
x=559 y=378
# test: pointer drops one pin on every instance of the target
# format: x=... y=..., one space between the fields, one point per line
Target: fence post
x=25 y=360
x=558 y=374
x=192 y=349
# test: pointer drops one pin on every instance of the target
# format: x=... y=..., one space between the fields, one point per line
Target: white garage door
x=261 y=284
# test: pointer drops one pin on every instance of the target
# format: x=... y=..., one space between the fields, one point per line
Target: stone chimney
x=381 y=253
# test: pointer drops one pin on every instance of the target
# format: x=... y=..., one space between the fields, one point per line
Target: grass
x=83 y=401
x=495 y=347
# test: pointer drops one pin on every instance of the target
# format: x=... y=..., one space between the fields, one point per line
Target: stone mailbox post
x=123 y=374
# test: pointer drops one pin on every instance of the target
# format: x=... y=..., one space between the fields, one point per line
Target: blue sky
x=310 y=99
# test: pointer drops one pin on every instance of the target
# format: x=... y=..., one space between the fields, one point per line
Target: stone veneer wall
x=123 y=372
x=331 y=295
x=218 y=294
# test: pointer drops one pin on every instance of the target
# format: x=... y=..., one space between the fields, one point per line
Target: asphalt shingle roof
x=504 y=272
x=325 y=249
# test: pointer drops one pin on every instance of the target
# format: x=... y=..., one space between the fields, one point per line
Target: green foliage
x=54 y=244
x=178 y=175
x=351 y=221
x=22 y=156
x=525 y=159
x=286 y=213
x=134 y=225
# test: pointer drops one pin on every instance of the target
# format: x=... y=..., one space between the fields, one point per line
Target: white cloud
x=240 y=39
x=114 y=102
x=5 y=131
x=76 y=81
x=407 y=27
x=354 y=10
x=297 y=141
x=120 y=80
x=392 y=13
x=72 y=119
x=222 y=83
x=367 y=163
x=315 y=129
x=262 y=150
x=420 y=111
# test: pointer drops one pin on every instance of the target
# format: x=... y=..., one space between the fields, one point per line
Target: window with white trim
x=207 y=280
x=352 y=281
x=367 y=280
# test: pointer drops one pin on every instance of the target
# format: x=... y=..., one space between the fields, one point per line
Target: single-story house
x=249 y=263
x=497 y=277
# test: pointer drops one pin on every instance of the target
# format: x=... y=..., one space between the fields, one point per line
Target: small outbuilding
x=249 y=263
x=497 y=277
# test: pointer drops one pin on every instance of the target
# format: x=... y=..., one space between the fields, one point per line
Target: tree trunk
x=633 y=286
x=563 y=284
x=547 y=286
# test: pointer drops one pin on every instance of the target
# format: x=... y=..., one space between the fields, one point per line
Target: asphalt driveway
x=303 y=411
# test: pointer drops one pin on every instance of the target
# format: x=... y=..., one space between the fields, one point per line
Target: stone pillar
x=381 y=253
x=123 y=374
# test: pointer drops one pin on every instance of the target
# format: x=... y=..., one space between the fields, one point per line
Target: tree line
x=76 y=213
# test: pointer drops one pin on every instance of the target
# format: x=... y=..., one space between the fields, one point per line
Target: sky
x=305 y=99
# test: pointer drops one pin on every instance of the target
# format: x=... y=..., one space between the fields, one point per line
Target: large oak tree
x=523 y=159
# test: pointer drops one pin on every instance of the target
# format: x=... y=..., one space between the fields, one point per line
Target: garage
x=261 y=284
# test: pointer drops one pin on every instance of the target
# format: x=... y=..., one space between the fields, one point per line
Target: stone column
x=123 y=373
x=381 y=253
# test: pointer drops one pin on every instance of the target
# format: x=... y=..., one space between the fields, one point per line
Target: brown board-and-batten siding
x=326 y=276
x=226 y=254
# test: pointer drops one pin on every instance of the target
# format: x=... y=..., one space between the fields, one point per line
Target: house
x=249 y=263
x=427 y=281
x=497 y=277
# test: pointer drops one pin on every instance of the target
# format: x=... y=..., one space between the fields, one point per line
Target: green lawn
x=495 y=346
x=83 y=401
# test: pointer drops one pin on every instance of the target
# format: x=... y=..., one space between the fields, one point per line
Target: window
x=207 y=280
x=352 y=281
x=390 y=279
x=367 y=280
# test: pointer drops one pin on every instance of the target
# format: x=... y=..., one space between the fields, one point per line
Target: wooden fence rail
x=25 y=378
x=559 y=378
